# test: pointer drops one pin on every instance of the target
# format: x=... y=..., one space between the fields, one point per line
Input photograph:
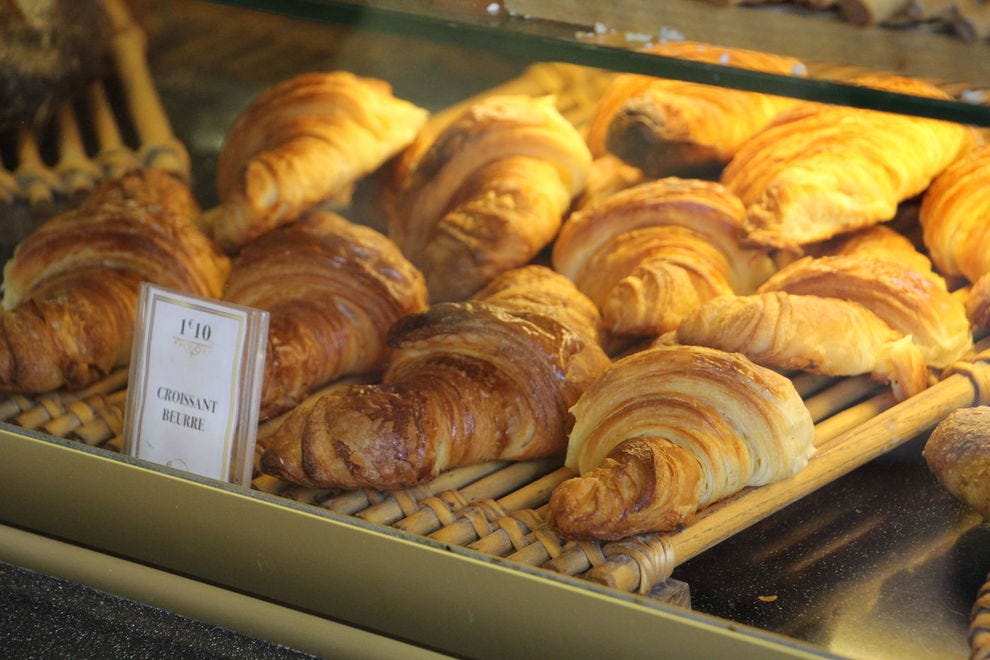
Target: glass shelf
x=588 y=39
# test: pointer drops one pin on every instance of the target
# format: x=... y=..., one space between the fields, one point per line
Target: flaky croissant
x=828 y=336
x=486 y=379
x=304 y=141
x=914 y=304
x=820 y=170
x=488 y=193
x=71 y=288
x=955 y=217
x=332 y=289
x=650 y=254
x=669 y=430
x=669 y=127
x=876 y=242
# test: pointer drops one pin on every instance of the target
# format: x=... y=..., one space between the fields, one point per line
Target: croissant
x=650 y=254
x=914 y=304
x=71 y=287
x=304 y=141
x=821 y=335
x=819 y=170
x=670 y=429
x=491 y=378
x=876 y=242
x=332 y=289
x=669 y=127
x=955 y=217
x=488 y=194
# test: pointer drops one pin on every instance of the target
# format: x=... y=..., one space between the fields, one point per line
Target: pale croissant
x=488 y=193
x=822 y=170
x=332 y=289
x=466 y=382
x=71 y=288
x=666 y=126
x=302 y=142
x=828 y=336
x=650 y=254
x=915 y=304
x=669 y=430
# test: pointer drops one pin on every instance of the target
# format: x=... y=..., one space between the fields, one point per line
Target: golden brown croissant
x=821 y=335
x=332 y=289
x=303 y=141
x=650 y=254
x=71 y=288
x=915 y=304
x=671 y=429
x=466 y=382
x=820 y=170
x=488 y=194
x=669 y=127
x=955 y=217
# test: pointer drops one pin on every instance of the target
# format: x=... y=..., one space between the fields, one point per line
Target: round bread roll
x=958 y=453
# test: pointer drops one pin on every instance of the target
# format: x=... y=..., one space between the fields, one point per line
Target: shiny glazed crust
x=466 y=382
x=332 y=289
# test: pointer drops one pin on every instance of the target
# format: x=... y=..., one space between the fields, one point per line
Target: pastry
x=817 y=334
x=302 y=142
x=667 y=127
x=491 y=378
x=820 y=170
x=71 y=288
x=669 y=430
x=914 y=304
x=332 y=290
x=650 y=254
x=958 y=454
x=955 y=217
x=488 y=194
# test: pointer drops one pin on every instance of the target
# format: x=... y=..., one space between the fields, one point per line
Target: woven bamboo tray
x=498 y=508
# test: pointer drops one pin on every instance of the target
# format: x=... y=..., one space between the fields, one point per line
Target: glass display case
x=865 y=556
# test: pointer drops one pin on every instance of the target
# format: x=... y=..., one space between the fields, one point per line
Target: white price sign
x=195 y=383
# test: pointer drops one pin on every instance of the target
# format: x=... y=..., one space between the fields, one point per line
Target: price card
x=195 y=383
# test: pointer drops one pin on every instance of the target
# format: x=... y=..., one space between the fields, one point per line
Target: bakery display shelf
x=471 y=530
x=466 y=563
